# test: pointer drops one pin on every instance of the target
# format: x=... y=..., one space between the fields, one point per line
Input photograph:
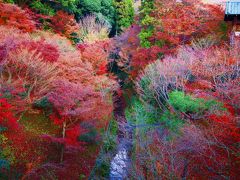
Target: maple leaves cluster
x=198 y=135
x=70 y=84
x=66 y=84
x=212 y=135
x=7 y=118
x=65 y=24
x=14 y=16
x=170 y=24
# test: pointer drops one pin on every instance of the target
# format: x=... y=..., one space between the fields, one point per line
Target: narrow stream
x=120 y=164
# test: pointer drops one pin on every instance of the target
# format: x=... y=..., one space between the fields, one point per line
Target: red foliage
x=214 y=15
x=64 y=24
x=47 y=51
x=227 y=132
x=144 y=56
x=180 y=23
x=125 y=47
x=102 y=69
x=72 y=135
x=71 y=138
x=181 y=20
x=72 y=100
x=14 y=16
x=38 y=18
x=26 y=148
x=97 y=54
x=199 y=85
x=75 y=103
x=3 y=54
x=188 y=19
x=169 y=40
x=224 y=136
x=7 y=119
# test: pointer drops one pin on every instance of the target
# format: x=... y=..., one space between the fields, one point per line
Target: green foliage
x=44 y=104
x=4 y=165
x=101 y=8
x=9 y=1
x=145 y=115
x=38 y=123
x=70 y=6
x=103 y=162
x=49 y=7
x=144 y=36
x=74 y=38
x=187 y=104
x=3 y=139
x=223 y=27
x=108 y=11
x=148 y=113
x=125 y=13
x=82 y=176
x=90 y=6
x=109 y=140
x=103 y=168
x=6 y=152
x=2 y=129
x=89 y=137
x=42 y=8
x=147 y=22
x=146 y=7
x=141 y=114
x=148 y=92
x=171 y=121
x=160 y=43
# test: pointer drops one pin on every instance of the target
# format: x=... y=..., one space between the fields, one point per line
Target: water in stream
x=120 y=164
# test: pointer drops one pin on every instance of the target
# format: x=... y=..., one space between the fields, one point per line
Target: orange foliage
x=97 y=54
x=189 y=18
x=181 y=20
x=14 y=16
x=64 y=23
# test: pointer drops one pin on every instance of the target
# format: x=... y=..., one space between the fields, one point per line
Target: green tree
x=147 y=23
x=42 y=8
x=108 y=11
x=90 y=6
x=124 y=14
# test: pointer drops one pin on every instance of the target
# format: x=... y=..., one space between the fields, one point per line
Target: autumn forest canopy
x=118 y=89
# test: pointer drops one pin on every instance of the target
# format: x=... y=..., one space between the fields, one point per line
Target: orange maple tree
x=14 y=16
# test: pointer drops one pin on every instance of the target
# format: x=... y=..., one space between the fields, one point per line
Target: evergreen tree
x=124 y=14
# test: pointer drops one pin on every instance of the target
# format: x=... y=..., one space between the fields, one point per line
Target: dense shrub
x=45 y=51
x=186 y=99
x=7 y=118
x=65 y=24
x=14 y=16
x=42 y=8
x=91 y=29
x=26 y=68
x=125 y=14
